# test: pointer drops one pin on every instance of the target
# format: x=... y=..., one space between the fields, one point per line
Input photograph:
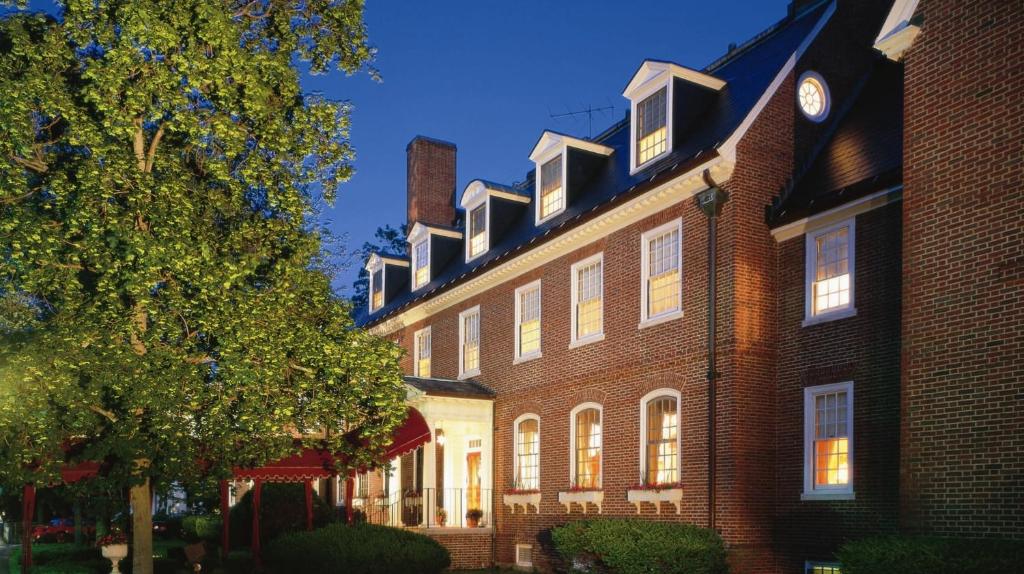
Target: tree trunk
x=142 y=529
x=78 y=522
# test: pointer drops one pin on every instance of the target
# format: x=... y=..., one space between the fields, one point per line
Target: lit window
x=652 y=127
x=587 y=292
x=830 y=265
x=823 y=568
x=421 y=263
x=422 y=352
x=661 y=438
x=828 y=424
x=812 y=96
x=362 y=485
x=528 y=321
x=662 y=274
x=469 y=335
x=527 y=453
x=377 y=289
x=552 y=197
x=478 y=230
x=587 y=447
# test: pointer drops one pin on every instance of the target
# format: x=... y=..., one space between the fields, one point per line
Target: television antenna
x=589 y=111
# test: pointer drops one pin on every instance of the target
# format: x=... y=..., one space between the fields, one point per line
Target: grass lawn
x=80 y=559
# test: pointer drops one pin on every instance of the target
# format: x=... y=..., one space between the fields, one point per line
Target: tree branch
x=152 y=149
x=140 y=145
x=104 y=413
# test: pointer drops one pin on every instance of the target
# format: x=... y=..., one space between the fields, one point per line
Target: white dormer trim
x=549 y=146
x=897 y=33
x=374 y=263
x=478 y=193
x=417 y=234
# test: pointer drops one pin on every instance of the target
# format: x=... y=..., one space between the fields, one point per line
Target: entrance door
x=473 y=480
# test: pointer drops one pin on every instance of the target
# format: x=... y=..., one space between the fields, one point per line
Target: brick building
x=855 y=172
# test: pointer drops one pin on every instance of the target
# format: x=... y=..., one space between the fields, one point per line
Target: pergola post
x=225 y=520
x=28 y=508
x=350 y=481
x=257 y=488
x=309 y=504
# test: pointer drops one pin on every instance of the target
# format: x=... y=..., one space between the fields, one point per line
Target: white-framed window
x=422 y=352
x=585 y=446
x=830 y=258
x=828 y=441
x=814 y=567
x=362 y=486
x=660 y=442
x=588 y=300
x=524 y=555
x=527 y=310
x=812 y=96
x=551 y=199
x=526 y=452
x=469 y=342
x=377 y=289
x=476 y=240
x=421 y=263
x=661 y=264
x=651 y=132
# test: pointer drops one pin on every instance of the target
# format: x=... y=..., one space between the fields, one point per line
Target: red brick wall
x=963 y=249
x=470 y=547
x=430 y=173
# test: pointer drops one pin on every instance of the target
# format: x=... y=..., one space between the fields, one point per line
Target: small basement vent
x=524 y=555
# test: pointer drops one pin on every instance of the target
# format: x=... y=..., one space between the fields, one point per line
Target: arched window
x=660 y=444
x=585 y=436
x=526 y=447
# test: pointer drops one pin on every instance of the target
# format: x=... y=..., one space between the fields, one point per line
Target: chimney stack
x=431 y=181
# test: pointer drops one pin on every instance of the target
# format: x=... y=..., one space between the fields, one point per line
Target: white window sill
x=526 y=358
x=827 y=496
x=468 y=374
x=637 y=169
x=660 y=319
x=673 y=496
x=524 y=500
x=550 y=216
x=595 y=497
x=829 y=316
x=586 y=341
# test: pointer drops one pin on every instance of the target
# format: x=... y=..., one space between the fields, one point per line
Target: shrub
x=282 y=509
x=362 y=549
x=201 y=527
x=633 y=546
x=933 y=555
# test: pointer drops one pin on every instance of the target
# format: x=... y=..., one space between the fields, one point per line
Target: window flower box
x=516 y=497
x=581 y=497
x=656 y=494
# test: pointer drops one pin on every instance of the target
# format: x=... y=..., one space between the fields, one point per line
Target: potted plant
x=442 y=516
x=114 y=547
x=473 y=516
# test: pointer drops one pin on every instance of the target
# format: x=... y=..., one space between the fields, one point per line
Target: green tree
x=162 y=278
x=387 y=239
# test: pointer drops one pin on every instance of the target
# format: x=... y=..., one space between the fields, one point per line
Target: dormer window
x=387 y=276
x=421 y=263
x=431 y=247
x=477 y=231
x=652 y=127
x=377 y=289
x=552 y=194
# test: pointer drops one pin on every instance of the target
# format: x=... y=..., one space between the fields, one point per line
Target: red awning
x=412 y=434
x=70 y=473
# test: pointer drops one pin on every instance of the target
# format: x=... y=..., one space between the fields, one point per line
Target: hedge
x=201 y=527
x=885 y=555
x=361 y=549
x=282 y=509
x=628 y=546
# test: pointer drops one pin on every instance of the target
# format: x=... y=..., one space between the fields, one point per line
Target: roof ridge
x=761 y=36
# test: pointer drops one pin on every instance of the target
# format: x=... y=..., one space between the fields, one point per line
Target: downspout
x=710 y=201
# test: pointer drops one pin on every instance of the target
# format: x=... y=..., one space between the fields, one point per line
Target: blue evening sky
x=486 y=76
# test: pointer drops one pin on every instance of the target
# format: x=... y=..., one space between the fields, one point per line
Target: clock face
x=812 y=97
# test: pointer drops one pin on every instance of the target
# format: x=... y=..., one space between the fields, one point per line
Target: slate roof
x=468 y=389
x=748 y=72
x=860 y=154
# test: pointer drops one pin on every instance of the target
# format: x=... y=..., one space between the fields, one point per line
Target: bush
x=362 y=549
x=282 y=509
x=201 y=527
x=63 y=559
x=933 y=555
x=633 y=546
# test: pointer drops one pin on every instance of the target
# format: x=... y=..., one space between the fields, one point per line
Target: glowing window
x=830 y=271
x=377 y=289
x=813 y=96
x=469 y=331
x=528 y=320
x=652 y=126
x=478 y=230
x=828 y=412
x=588 y=297
x=587 y=451
x=421 y=263
x=662 y=273
x=823 y=568
x=552 y=198
x=661 y=456
x=527 y=454
x=422 y=352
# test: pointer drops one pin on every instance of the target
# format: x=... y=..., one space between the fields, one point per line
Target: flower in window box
x=580 y=488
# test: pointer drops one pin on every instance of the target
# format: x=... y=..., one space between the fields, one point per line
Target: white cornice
x=550 y=141
x=898 y=41
x=478 y=190
x=845 y=211
x=649 y=203
x=420 y=231
x=653 y=71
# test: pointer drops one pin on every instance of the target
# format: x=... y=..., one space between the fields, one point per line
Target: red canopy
x=413 y=433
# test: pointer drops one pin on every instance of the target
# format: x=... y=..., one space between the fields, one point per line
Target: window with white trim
x=422 y=352
x=828 y=441
x=660 y=437
x=527 y=452
x=377 y=289
x=813 y=96
x=469 y=342
x=586 y=447
x=524 y=555
x=661 y=265
x=477 y=230
x=588 y=299
x=528 y=321
x=652 y=126
x=362 y=489
x=421 y=263
x=830 y=269
x=552 y=192
x=822 y=568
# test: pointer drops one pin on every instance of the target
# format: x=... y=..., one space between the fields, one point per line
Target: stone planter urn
x=115 y=553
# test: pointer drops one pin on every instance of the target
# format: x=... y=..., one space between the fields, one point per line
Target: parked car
x=60 y=530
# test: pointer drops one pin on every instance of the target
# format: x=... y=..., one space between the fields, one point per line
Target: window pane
x=831 y=440
x=529 y=321
x=471 y=342
x=651 y=129
x=422 y=253
x=588 y=300
x=423 y=350
x=832 y=271
x=662 y=441
x=588 y=448
x=377 y=297
x=551 y=196
x=663 y=277
x=478 y=230
x=527 y=455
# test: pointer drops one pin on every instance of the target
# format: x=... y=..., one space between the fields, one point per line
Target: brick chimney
x=431 y=181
